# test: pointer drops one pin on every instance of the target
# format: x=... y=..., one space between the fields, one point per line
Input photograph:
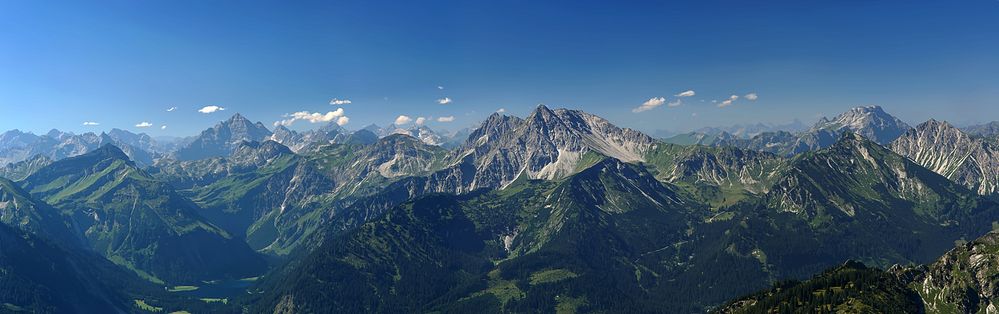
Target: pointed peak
x=362 y=137
x=542 y=109
x=332 y=126
x=55 y=133
x=363 y=132
x=374 y=128
x=496 y=117
x=933 y=123
x=543 y=114
x=854 y=140
x=238 y=118
x=108 y=151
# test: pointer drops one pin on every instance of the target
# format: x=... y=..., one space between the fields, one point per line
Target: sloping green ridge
x=139 y=222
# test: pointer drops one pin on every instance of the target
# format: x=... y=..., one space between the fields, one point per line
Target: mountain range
x=558 y=211
x=871 y=122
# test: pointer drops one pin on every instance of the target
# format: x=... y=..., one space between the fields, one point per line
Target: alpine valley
x=559 y=211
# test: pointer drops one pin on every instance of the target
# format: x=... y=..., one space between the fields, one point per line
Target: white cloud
x=403 y=119
x=91 y=123
x=171 y=109
x=313 y=117
x=445 y=119
x=163 y=127
x=687 y=93
x=728 y=102
x=751 y=96
x=444 y=101
x=210 y=109
x=440 y=87
x=659 y=101
x=143 y=124
x=650 y=104
x=420 y=120
x=338 y=102
x=341 y=121
x=501 y=110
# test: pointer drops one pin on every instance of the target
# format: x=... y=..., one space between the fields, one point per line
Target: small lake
x=221 y=289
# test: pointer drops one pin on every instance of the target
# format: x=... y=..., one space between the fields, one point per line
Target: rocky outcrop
x=945 y=149
x=965 y=280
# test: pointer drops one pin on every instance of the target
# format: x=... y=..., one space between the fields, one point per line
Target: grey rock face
x=950 y=152
x=222 y=138
x=963 y=280
x=549 y=144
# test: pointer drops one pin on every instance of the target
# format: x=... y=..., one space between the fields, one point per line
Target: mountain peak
x=108 y=151
x=953 y=153
x=871 y=122
x=331 y=127
x=869 y=108
x=542 y=111
x=221 y=139
x=863 y=111
x=362 y=137
x=56 y=134
x=853 y=141
x=934 y=123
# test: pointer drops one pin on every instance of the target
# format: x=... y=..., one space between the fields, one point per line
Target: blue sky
x=120 y=63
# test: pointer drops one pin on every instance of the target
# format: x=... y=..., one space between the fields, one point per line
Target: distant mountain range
x=872 y=122
x=556 y=211
x=18 y=146
x=217 y=141
x=738 y=130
